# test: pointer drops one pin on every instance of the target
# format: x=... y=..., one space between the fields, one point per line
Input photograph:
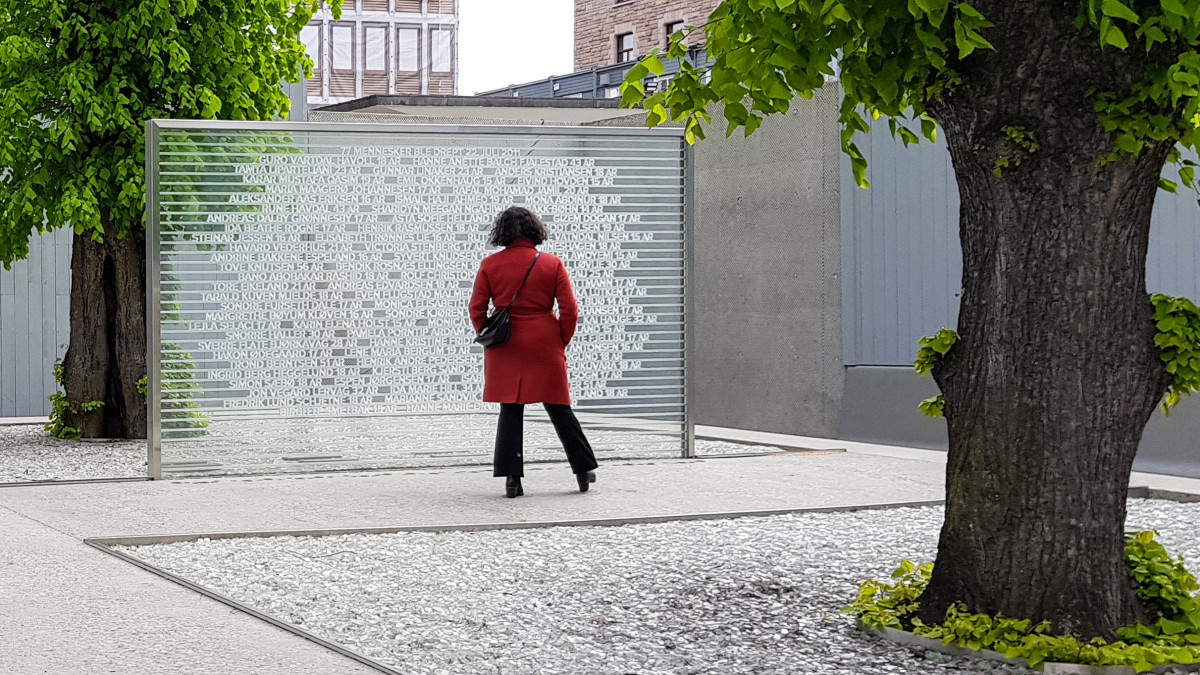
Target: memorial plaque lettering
x=325 y=275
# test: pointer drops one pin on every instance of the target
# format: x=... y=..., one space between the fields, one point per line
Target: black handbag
x=495 y=329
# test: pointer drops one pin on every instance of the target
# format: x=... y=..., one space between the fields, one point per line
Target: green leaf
x=752 y=124
x=1111 y=35
x=654 y=64
x=632 y=94
x=1175 y=7
x=639 y=72
x=933 y=6
x=929 y=129
x=1172 y=627
x=965 y=44
x=1118 y=10
x=968 y=10
x=858 y=165
x=1129 y=143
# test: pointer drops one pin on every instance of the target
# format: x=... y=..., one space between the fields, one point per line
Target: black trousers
x=510 y=439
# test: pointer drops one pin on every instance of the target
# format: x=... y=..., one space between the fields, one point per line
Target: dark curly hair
x=516 y=223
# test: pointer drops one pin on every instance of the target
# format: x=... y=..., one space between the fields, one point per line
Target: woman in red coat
x=531 y=366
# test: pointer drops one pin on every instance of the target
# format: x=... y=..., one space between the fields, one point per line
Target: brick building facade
x=611 y=31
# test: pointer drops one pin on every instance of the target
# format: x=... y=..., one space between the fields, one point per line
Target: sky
x=503 y=42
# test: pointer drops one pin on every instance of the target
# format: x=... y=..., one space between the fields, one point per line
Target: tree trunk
x=107 y=354
x=1056 y=372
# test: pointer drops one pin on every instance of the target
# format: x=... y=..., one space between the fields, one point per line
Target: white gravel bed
x=28 y=453
x=749 y=595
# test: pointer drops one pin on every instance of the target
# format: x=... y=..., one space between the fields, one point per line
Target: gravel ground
x=751 y=595
x=28 y=453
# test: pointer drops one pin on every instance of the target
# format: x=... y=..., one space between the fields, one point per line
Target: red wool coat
x=531 y=367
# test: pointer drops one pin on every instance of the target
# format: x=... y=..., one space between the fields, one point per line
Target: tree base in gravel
x=1165 y=589
x=107 y=354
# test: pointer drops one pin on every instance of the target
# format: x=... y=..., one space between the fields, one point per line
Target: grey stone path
x=68 y=608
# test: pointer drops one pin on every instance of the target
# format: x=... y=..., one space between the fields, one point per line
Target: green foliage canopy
x=79 y=80
x=898 y=57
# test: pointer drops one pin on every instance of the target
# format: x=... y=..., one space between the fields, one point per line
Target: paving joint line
x=152 y=540
x=74 y=481
x=230 y=602
x=43 y=524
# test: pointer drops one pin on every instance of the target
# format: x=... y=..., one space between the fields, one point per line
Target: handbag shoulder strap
x=527 y=273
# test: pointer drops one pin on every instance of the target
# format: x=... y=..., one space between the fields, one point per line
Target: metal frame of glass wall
x=154 y=135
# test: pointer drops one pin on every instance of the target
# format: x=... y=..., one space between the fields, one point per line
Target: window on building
x=375 y=48
x=672 y=28
x=408 y=49
x=310 y=36
x=624 y=47
x=341 y=42
x=441 y=50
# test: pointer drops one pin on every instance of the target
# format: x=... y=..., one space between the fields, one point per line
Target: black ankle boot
x=585 y=480
x=512 y=487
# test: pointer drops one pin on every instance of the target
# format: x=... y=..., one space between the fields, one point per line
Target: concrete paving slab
x=69 y=609
x=1178 y=485
x=472 y=495
x=76 y=610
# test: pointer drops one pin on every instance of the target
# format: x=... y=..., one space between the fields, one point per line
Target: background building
x=610 y=37
x=383 y=47
x=608 y=32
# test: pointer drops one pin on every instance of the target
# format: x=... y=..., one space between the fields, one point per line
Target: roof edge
x=469 y=101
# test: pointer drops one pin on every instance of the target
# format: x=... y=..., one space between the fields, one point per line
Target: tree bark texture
x=107 y=354
x=1056 y=372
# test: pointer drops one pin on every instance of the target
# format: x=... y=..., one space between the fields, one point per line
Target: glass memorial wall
x=308 y=288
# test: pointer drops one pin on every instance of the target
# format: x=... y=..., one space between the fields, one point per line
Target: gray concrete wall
x=768 y=324
x=768 y=330
x=880 y=406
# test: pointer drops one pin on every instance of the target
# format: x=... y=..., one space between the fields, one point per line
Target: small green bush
x=1164 y=586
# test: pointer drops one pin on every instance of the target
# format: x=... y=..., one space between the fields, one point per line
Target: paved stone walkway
x=68 y=608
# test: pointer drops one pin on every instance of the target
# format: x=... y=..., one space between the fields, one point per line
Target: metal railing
x=598 y=82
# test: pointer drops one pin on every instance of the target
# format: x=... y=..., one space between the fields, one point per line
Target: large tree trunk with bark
x=107 y=354
x=1056 y=372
